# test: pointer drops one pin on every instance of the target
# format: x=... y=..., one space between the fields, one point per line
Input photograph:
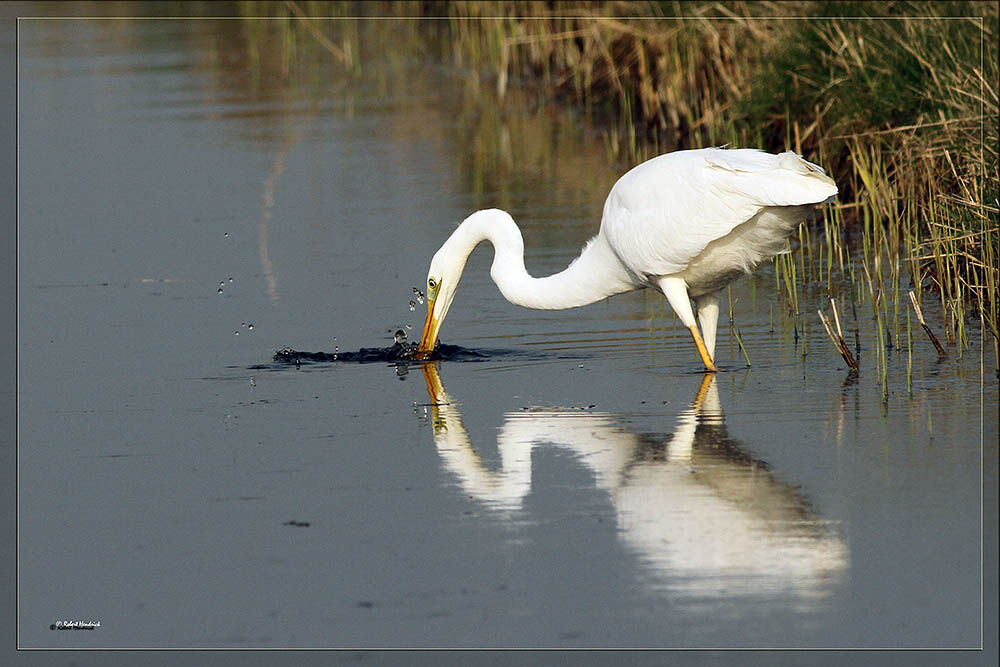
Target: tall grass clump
x=911 y=131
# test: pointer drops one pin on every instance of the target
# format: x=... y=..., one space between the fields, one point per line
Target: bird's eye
x=431 y=283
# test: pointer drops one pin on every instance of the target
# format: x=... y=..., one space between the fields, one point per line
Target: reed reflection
x=707 y=518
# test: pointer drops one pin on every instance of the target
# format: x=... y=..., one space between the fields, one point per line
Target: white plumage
x=685 y=223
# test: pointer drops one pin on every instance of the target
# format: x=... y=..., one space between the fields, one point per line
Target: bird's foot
x=706 y=358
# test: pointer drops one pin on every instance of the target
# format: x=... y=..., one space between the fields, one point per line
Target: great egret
x=686 y=223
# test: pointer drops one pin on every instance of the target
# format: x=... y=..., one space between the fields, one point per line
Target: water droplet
x=237 y=333
x=222 y=283
x=420 y=297
x=408 y=327
x=400 y=336
x=253 y=383
x=220 y=290
x=413 y=306
x=250 y=326
x=226 y=235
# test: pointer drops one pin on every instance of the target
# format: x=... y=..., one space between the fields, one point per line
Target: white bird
x=686 y=223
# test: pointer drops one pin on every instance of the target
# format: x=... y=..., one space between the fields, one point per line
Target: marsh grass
x=735 y=330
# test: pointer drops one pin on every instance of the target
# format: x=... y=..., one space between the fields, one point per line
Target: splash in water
x=399 y=352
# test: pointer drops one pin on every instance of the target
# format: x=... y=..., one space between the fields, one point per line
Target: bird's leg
x=708 y=318
x=676 y=292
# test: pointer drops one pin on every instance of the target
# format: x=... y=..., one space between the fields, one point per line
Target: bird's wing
x=661 y=214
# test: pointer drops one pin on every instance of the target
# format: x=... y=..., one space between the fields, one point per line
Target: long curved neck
x=596 y=274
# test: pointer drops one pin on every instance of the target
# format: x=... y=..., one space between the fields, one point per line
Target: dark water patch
x=400 y=354
x=366 y=355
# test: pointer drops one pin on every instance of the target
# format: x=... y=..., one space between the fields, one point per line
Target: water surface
x=574 y=482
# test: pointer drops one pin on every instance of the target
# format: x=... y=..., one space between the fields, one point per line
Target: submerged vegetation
x=897 y=100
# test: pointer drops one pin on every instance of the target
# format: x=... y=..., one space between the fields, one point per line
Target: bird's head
x=442 y=283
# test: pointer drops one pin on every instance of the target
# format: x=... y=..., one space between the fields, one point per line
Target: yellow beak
x=429 y=338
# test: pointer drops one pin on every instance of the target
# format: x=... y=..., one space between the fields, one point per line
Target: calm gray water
x=583 y=486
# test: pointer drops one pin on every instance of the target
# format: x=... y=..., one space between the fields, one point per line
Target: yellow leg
x=675 y=289
x=706 y=358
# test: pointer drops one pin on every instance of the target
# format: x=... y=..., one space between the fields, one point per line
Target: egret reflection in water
x=705 y=516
